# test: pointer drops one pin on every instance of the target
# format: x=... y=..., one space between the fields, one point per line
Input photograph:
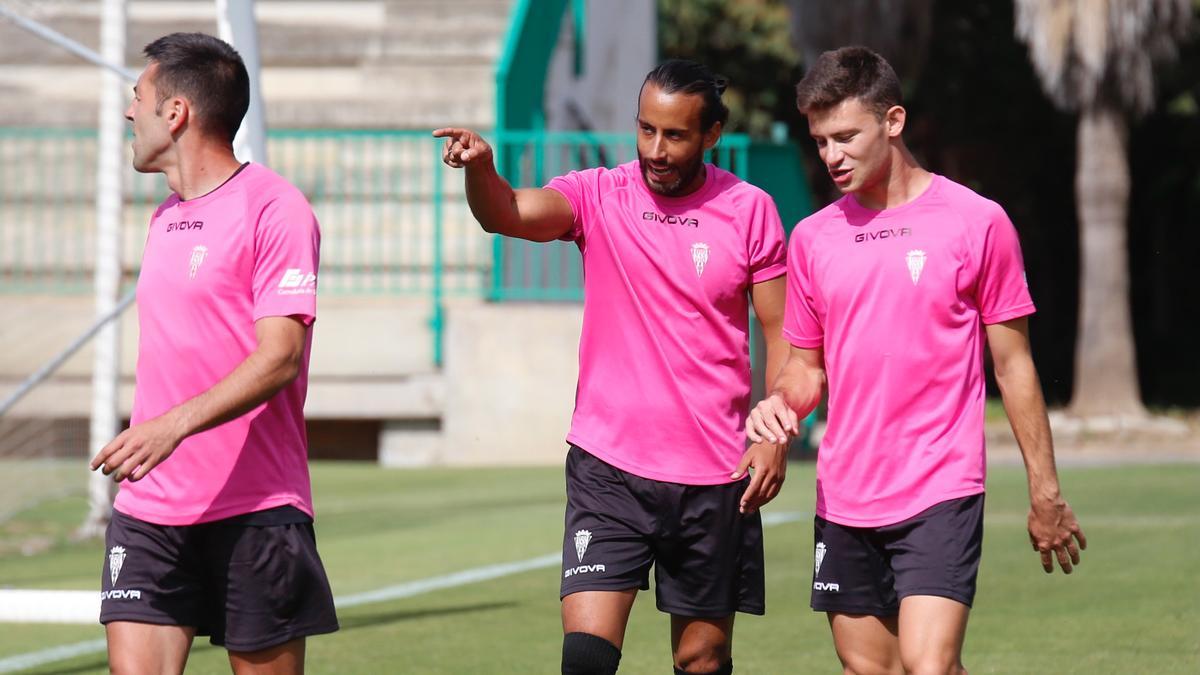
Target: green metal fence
x=47 y=210
x=394 y=219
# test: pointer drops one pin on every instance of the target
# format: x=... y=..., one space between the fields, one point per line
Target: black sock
x=587 y=654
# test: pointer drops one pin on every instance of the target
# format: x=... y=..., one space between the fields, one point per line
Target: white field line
x=84 y=606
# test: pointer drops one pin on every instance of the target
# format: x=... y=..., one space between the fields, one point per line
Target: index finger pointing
x=448 y=131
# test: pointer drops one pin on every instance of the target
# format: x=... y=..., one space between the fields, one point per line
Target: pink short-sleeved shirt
x=213 y=266
x=898 y=299
x=664 y=367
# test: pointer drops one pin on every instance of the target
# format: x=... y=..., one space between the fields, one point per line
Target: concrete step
x=362 y=63
x=396 y=96
x=375 y=338
x=290 y=33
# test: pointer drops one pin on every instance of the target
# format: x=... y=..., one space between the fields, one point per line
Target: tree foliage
x=978 y=115
x=748 y=42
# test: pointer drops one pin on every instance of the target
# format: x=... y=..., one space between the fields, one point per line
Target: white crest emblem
x=700 y=256
x=820 y=555
x=582 y=538
x=198 y=255
x=916 y=263
x=116 y=558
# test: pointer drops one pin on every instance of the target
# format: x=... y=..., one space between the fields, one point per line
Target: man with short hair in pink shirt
x=893 y=291
x=212 y=528
x=674 y=253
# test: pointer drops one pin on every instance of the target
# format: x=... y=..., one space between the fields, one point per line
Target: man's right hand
x=772 y=421
x=463 y=147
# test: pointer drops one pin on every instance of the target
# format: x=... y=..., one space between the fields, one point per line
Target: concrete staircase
x=358 y=63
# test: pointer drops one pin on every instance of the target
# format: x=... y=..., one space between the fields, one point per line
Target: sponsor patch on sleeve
x=297 y=282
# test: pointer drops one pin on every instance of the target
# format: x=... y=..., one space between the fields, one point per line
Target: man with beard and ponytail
x=674 y=253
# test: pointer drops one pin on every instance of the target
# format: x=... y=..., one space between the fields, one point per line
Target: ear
x=178 y=113
x=712 y=136
x=894 y=119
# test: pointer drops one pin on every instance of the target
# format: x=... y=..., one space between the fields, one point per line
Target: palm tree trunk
x=1106 y=381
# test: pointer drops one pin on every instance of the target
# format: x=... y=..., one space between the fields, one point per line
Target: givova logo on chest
x=889 y=233
x=185 y=225
x=671 y=220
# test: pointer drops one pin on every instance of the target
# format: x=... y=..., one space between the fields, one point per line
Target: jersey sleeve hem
x=1006 y=315
x=769 y=272
x=576 y=229
x=802 y=342
x=306 y=317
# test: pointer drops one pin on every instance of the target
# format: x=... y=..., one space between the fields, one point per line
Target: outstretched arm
x=1053 y=530
x=532 y=213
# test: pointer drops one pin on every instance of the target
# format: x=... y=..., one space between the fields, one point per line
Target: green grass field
x=1133 y=606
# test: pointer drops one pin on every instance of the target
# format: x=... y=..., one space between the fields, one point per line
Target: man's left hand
x=769 y=461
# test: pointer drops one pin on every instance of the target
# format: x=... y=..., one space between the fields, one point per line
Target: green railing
x=47 y=210
x=392 y=220
x=551 y=272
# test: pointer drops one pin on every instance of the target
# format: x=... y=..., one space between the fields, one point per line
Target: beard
x=685 y=172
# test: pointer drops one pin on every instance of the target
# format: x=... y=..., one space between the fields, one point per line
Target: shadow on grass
x=350 y=521
x=352 y=622
x=356 y=621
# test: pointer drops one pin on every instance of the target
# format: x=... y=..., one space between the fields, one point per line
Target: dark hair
x=209 y=73
x=689 y=77
x=849 y=72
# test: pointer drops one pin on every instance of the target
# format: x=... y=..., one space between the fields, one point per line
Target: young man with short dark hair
x=212 y=528
x=893 y=292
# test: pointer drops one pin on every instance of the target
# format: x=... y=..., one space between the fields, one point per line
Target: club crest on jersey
x=819 y=557
x=199 y=253
x=699 y=257
x=116 y=558
x=916 y=262
x=582 y=539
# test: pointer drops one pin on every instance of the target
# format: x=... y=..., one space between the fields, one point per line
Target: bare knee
x=284 y=658
x=702 y=645
x=702 y=657
x=862 y=664
x=934 y=663
x=126 y=663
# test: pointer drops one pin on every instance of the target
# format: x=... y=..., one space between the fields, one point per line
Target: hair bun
x=720 y=84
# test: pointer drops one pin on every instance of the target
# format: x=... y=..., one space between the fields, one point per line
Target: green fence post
x=438 y=320
x=500 y=155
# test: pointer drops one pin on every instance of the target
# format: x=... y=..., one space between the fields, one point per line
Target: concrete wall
x=371 y=358
x=620 y=47
x=510 y=383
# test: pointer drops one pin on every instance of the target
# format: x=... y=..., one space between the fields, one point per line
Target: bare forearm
x=492 y=200
x=777 y=354
x=252 y=383
x=801 y=387
x=1026 y=409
